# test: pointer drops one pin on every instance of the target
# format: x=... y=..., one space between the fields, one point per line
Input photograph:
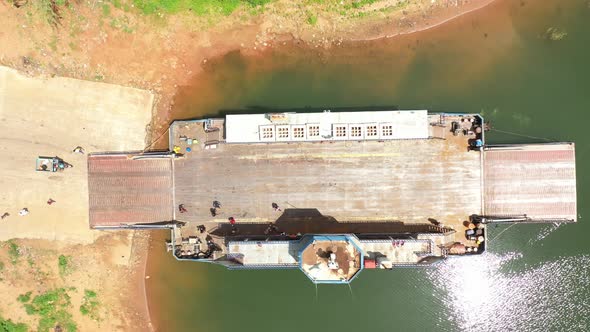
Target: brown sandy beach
x=105 y=117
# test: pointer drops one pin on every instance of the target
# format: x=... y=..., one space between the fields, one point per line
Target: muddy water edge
x=508 y=61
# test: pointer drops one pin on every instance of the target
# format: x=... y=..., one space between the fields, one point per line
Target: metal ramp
x=129 y=189
x=529 y=183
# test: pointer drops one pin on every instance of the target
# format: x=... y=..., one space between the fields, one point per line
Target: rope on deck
x=157 y=139
x=522 y=135
x=501 y=232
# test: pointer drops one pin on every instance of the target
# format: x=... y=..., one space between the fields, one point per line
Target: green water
x=495 y=61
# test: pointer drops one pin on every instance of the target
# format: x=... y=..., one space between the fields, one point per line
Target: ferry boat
x=331 y=193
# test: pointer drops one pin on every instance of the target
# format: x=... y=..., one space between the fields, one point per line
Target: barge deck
x=385 y=189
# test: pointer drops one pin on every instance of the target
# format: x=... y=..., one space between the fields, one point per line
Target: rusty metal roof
x=125 y=191
x=538 y=180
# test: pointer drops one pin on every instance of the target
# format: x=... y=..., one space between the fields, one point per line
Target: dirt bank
x=161 y=52
x=111 y=267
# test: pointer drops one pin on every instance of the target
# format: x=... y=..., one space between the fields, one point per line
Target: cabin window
x=371 y=131
x=313 y=131
x=356 y=131
x=283 y=132
x=340 y=131
x=387 y=130
x=298 y=132
x=267 y=132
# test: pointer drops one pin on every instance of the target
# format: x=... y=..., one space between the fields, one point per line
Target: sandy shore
x=51 y=116
x=437 y=18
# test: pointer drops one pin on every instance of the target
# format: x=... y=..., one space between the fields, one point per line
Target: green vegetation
x=53 y=43
x=13 y=252
x=258 y=2
x=123 y=23
x=52 y=307
x=312 y=19
x=51 y=10
x=65 y=265
x=199 y=7
x=106 y=9
x=359 y=4
x=24 y=297
x=7 y=325
x=90 y=304
x=117 y=4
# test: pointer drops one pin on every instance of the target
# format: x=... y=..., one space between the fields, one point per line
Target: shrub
x=24 y=297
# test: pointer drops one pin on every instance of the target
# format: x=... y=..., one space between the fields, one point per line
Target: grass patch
x=51 y=10
x=53 y=43
x=122 y=23
x=361 y=3
x=199 y=7
x=7 y=325
x=1 y=270
x=90 y=304
x=65 y=265
x=257 y=2
x=24 y=297
x=13 y=252
x=312 y=19
x=117 y=4
x=106 y=9
x=52 y=309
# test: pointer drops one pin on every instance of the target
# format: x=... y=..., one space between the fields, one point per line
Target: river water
x=497 y=61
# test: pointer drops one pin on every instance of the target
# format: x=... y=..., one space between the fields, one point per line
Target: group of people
x=61 y=165
x=272 y=228
x=213 y=210
x=25 y=211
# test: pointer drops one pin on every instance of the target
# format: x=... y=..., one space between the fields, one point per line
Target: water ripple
x=481 y=295
x=545 y=232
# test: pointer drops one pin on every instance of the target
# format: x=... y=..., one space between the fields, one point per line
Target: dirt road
x=50 y=117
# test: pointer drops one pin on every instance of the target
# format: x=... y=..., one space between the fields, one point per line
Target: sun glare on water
x=483 y=294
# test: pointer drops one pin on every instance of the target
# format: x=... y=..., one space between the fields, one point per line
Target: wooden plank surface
x=405 y=180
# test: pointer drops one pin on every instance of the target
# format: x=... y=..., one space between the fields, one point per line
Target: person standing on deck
x=181 y=208
x=275 y=206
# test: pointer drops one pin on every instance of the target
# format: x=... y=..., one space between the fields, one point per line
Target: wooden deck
x=413 y=181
